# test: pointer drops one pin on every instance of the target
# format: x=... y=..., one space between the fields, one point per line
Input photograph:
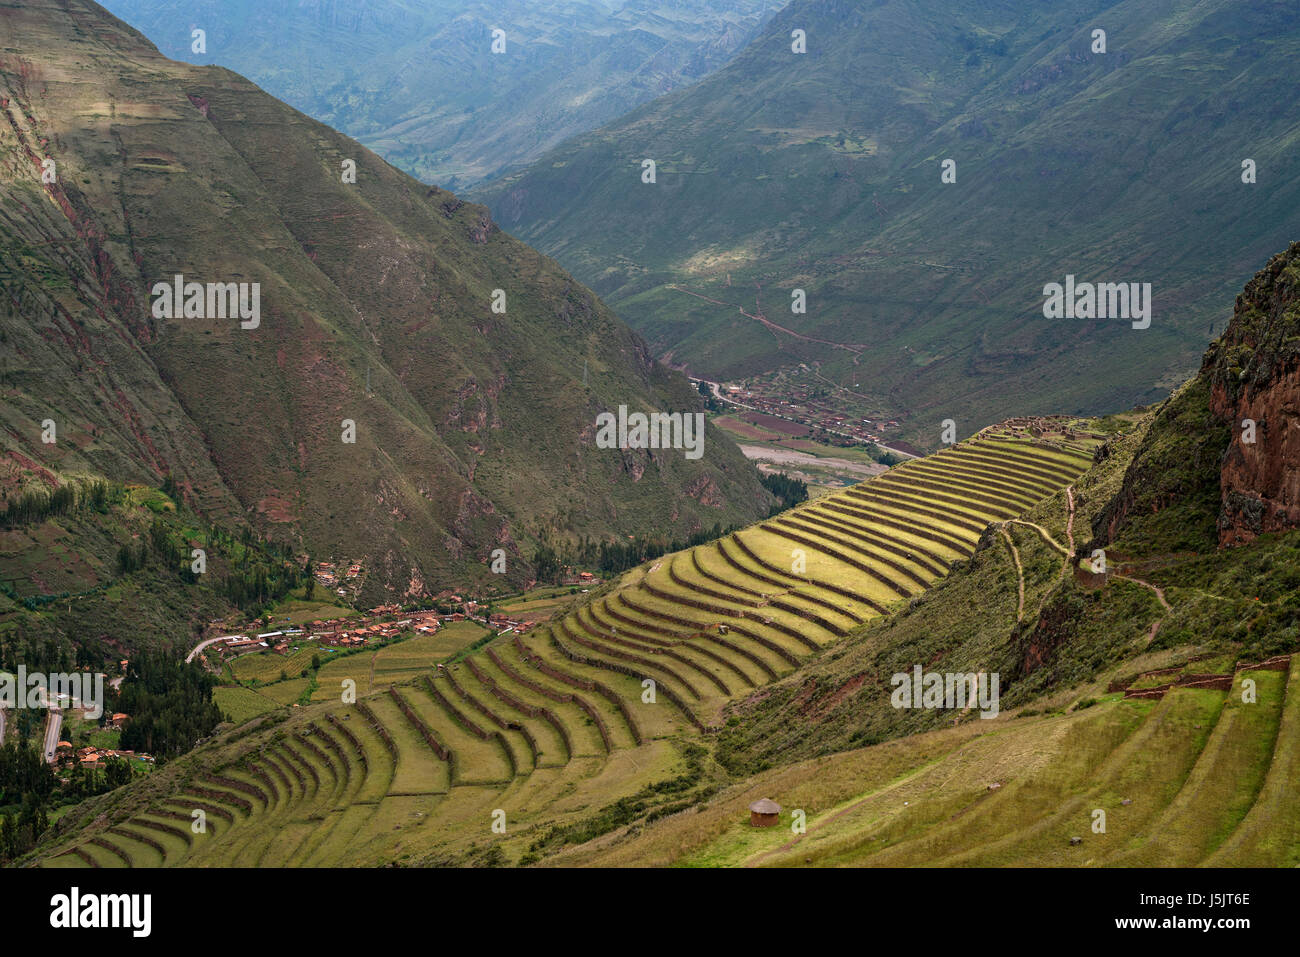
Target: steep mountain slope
x=473 y=428
x=419 y=82
x=1158 y=687
x=822 y=171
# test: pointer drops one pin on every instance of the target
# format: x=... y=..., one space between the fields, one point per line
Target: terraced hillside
x=1198 y=776
x=538 y=734
x=726 y=617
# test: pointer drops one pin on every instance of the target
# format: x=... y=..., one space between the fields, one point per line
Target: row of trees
x=46 y=652
x=19 y=833
x=36 y=505
x=261 y=572
x=549 y=561
x=789 y=491
x=23 y=771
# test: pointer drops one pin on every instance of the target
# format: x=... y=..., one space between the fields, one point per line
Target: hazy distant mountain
x=418 y=81
x=822 y=171
x=473 y=427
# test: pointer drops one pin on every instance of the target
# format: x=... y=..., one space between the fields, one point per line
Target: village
x=379 y=624
x=805 y=404
x=65 y=754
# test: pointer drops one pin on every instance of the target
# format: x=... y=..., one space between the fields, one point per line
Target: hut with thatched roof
x=764 y=813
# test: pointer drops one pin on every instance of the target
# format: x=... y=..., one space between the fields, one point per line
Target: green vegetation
x=635 y=726
x=170 y=705
x=556 y=729
x=92 y=584
x=825 y=176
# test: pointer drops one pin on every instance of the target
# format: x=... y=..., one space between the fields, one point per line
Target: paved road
x=52 y=727
x=203 y=644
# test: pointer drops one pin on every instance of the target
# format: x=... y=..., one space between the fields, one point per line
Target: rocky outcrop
x=1253 y=372
x=1220 y=462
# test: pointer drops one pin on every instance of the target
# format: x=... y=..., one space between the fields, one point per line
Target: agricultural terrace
x=549 y=727
x=1193 y=777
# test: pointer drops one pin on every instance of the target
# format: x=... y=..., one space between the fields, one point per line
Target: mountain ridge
x=822 y=172
x=423 y=85
x=383 y=285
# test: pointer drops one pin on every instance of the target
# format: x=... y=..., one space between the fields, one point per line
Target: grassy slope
x=821 y=172
x=1200 y=775
x=107 y=613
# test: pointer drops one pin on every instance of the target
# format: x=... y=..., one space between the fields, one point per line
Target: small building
x=764 y=813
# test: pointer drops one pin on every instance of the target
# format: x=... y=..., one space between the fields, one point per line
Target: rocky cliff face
x=1220 y=463
x=1253 y=373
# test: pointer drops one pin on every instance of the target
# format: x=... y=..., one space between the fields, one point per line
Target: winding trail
x=1160 y=592
x=1069 y=519
x=1047 y=536
x=855 y=348
x=849 y=809
x=1065 y=552
x=1160 y=595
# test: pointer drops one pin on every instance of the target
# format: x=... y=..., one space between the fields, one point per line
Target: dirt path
x=771 y=326
x=1069 y=519
x=1160 y=595
x=1160 y=592
x=1020 y=572
x=1047 y=536
x=893 y=785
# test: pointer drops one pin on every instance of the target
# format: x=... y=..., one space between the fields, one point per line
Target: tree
x=117 y=771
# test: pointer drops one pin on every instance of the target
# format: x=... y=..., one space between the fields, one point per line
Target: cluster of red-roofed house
x=357 y=631
x=505 y=623
x=92 y=757
x=341 y=632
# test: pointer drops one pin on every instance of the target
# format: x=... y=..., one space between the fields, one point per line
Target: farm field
x=240 y=704
x=541 y=603
x=395 y=662
x=266 y=666
x=777 y=445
